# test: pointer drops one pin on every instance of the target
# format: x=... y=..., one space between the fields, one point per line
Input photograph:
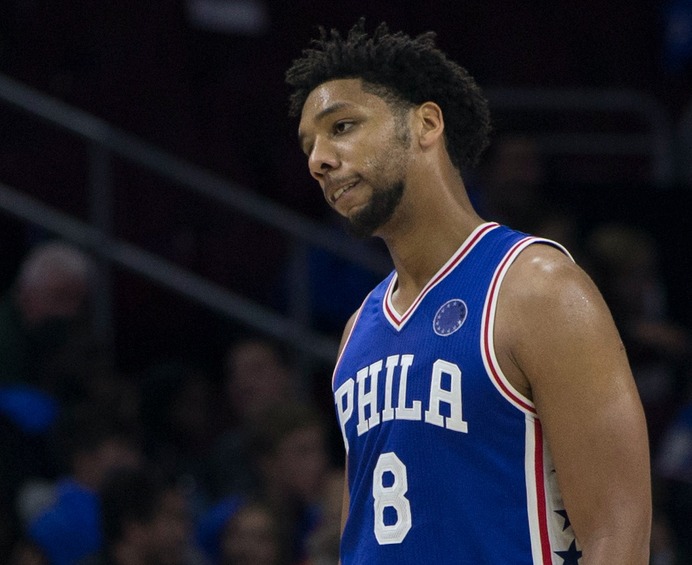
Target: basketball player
x=486 y=402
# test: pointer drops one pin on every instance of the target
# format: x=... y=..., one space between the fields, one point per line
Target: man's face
x=299 y=464
x=61 y=296
x=251 y=538
x=257 y=380
x=357 y=150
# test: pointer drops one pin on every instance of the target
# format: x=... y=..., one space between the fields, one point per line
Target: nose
x=322 y=159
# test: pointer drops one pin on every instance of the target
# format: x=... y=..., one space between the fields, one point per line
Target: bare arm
x=558 y=344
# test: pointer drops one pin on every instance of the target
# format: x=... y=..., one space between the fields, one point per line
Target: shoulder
x=550 y=314
x=544 y=276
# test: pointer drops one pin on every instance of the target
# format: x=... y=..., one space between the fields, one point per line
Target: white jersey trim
x=492 y=366
x=348 y=338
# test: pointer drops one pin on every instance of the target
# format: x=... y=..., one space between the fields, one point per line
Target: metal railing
x=653 y=140
x=167 y=274
x=106 y=141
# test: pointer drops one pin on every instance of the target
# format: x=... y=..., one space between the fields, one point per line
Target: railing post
x=101 y=219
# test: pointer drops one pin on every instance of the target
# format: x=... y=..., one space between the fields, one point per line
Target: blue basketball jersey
x=446 y=460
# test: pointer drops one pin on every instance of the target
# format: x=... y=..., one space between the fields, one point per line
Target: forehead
x=334 y=95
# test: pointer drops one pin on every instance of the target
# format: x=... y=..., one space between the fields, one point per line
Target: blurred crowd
x=167 y=467
x=180 y=465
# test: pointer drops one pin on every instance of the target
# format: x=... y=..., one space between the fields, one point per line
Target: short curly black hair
x=405 y=72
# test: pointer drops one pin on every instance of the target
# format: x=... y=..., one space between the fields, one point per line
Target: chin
x=360 y=230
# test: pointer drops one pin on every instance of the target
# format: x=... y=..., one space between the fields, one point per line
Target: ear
x=430 y=123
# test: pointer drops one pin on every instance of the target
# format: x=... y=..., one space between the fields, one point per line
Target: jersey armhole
x=347 y=338
x=492 y=365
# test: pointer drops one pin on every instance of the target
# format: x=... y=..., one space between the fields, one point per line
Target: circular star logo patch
x=450 y=317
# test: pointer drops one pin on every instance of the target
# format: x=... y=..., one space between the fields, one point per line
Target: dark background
x=217 y=99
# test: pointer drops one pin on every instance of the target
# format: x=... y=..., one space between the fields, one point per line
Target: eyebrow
x=323 y=113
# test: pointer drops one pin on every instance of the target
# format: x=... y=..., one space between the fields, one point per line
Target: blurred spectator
x=210 y=525
x=323 y=543
x=46 y=343
x=291 y=457
x=241 y=531
x=176 y=410
x=674 y=468
x=257 y=379
x=514 y=187
x=563 y=225
x=26 y=417
x=10 y=530
x=511 y=183
x=252 y=537
x=675 y=459
x=66 y=526
x=26 y=553
x=664 y=546
x=625 y=264
x=145 y=522
x=677 y=40
x=41 y=311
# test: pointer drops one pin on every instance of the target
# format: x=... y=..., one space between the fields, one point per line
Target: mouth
x=339 y=192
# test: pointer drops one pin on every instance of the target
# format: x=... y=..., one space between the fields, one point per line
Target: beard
x=385 y=196
x=380 y=209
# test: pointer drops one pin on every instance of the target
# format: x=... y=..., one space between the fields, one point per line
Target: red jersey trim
x=487 y=345
x=541 y=502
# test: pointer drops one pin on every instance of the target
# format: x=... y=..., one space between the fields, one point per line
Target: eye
x=343 y=126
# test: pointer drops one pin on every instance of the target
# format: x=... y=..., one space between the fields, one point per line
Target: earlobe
x=431 y=123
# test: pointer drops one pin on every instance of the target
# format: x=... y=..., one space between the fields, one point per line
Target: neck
x=432 y=225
